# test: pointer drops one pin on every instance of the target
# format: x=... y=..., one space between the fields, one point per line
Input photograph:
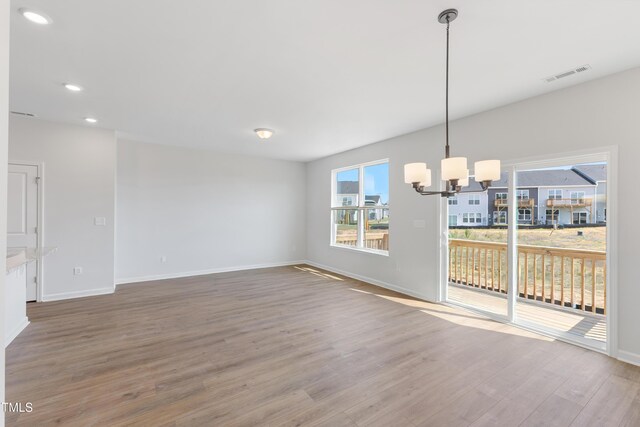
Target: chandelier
x=454 y=169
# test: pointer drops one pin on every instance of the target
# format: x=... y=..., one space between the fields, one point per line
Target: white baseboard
x=16 y=331
x=77 y=294
x=372 y=281
x=627 y=356
x=203 y=272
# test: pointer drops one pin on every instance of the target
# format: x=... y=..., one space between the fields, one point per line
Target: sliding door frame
x=608 y=154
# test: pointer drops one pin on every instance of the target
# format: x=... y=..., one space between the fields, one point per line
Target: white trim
x=155 y=277
x=77 y=294
x=358 y=249
x=628 y=357
x=16 y=331
x=370 y=281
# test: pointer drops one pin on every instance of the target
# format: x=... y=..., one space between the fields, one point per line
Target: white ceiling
x=327 y=75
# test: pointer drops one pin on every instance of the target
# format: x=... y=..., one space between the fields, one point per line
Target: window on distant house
x=524 y=214
x=360 y=207
x=453 y=200
x=552 y=214
x=472 y=218
x=499 y=217
x=577 y=198
x=579 y=218
x=501 y=199
x=522 y=194
x=474 y=199
x=555 y=194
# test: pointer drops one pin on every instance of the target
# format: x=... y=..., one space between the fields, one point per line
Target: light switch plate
x=100 y=220
x=77 y=271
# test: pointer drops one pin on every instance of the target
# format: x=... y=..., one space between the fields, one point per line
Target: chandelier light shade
x=487 y=170
x=454 y=170
x=414 y=172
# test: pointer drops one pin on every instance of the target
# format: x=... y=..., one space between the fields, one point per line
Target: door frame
x=610 y=154
x=40 y=221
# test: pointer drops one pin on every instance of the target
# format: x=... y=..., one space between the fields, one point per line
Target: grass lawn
x=592 y=238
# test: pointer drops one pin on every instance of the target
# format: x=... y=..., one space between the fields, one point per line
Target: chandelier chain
x=447 y=96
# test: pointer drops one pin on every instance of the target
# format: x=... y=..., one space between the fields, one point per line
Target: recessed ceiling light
x=90 y=120
x=35 y=17
x=72 y=87
x=264 y=133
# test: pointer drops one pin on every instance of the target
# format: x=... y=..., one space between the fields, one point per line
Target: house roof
x=593 y=173
x=348 y=187
x=544 y=178
x=372 y=198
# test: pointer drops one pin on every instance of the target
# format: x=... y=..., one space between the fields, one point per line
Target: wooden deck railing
x=566 y=277
x=373 y=240
x=567 y=203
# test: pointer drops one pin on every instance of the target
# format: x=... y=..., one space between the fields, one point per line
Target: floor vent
x=580 y=69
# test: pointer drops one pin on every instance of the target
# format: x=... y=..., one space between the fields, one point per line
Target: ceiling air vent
x=20 y=113
x=580 y=69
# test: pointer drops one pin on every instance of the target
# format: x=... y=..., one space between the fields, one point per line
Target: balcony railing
x=522 y=203
x=579 y=202
x=372 y=240
x=566 y=277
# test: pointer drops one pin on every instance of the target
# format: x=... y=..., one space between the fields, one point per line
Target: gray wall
x=588 y=115
x=79 y=185
x=205 y=212
x=4 y=130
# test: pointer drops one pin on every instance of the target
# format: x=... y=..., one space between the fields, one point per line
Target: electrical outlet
x=77 y=271
x=100 y=221
x=163 y=259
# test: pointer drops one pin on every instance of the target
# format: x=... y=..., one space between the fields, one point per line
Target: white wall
x=4 y=129
x=595 y=114
x=79 y=185
x=205 y=211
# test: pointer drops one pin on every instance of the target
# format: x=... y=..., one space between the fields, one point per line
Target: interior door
x=22 y=217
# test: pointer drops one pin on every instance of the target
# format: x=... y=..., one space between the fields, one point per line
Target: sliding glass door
x=542 y=233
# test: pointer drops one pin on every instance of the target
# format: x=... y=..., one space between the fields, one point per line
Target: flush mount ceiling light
x=35 y=17
x=90 y=120
x=264 y=133
x=72 y=87
x=454 y=169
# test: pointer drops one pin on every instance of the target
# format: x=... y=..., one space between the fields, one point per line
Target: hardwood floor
x=299 y=346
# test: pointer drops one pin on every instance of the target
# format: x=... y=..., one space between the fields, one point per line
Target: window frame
x=521 y=192
x=474 y=199
x=523 y=216
x=555 y=194
x=360 y=207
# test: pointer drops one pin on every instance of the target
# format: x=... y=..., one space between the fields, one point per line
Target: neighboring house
x=347 y=195
x=597 y=175
x=469 y=210
x=551 y=196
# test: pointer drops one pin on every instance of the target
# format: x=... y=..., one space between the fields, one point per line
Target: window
x=499 y=217
x=555 y=194
x=474 y=199
x=472 y=218
x=522 y=194
x=501 y=196
x=577 y=198
x=552 y=214
x=579 y=218
x=524 y=214
x=360 y=207
x=453 y=220
x=452 y=201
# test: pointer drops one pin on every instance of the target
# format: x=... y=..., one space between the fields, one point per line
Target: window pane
x=377 y=229
x=376 y=185
x=347 y=188
x=346 y=227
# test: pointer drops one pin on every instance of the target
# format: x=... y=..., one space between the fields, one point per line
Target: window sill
x=367 y=251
